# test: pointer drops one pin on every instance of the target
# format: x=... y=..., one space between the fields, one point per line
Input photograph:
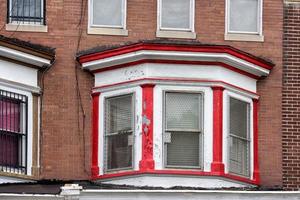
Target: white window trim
x=137 y=137
x=226 y=137
x=30 y=127
x=176 y=32
x=158 y=110
x=243 y=35
x=106 y=29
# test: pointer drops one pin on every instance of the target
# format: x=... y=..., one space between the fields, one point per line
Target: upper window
x=26 y=12
x=108 y=13
x=13 y=132
x=119 y=123
x=176 y=15
x=239 y=128
x=182 y=132
x=244 y=16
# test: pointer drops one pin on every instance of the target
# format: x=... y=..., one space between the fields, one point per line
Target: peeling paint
x=146 y=121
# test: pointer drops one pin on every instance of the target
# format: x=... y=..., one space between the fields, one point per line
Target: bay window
x=239 y=129
x=119 y=123
x=182 y=135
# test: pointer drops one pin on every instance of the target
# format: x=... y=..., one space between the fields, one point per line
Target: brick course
x=66 y=151
x=291 y=98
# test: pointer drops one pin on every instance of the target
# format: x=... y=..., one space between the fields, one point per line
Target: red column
x=147 y=162
x=255 y=141
x=217 y=166
x=95 y=132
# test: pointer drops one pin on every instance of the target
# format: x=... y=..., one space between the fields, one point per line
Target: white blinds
x=108 y=12
x=244 y=15
x=183 y=113
x=239 y=137
x=175 y=14
x=118 y=132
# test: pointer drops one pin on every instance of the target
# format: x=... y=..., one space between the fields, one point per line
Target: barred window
x=183 y=125
x=239 y=137
x=26 y=12
x=13 y=132
x=119 y=113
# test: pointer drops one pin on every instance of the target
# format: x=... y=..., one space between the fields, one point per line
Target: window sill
x=107 y=31
x=176 y=34
x=17 y=175
x=27 y=28
x=244 y=37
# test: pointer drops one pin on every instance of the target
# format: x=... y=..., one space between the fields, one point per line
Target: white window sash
x=259 y=17
x=124 y=13
x=192 y=17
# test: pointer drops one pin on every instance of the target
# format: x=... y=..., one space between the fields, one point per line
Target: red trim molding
x=147 y=162
x=175 y=47
x=95 y=133
x=217 y=166
x=256 y=176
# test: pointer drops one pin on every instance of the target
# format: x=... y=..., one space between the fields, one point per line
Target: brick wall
x=291 y=96
x=66 y=151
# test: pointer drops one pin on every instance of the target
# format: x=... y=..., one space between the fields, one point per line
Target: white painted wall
x=17 y=73
x=152 y=70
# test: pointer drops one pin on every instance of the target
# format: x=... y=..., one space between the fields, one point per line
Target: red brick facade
x=290 y=100
x=66 y=143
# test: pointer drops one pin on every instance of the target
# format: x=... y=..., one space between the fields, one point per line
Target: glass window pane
x=239 y=156
x=239 y=118
x=119 y=114
x=175 y=14
x=108 y=12
x=119 y=152
x=244 y=15
x=183 y=111
x=26 y=10
x=183 y=150
x=119 y=131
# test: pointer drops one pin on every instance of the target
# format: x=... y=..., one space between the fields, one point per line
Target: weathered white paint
x=187 y=195
x=6 y=179
x=177 y=55
x=226 y=137
x=30 y=197
x=158 y=123
x=30 y=123
x=24 y=57
x=18 y=73
x=137 y=147
x=152 y=70
x=169 y=181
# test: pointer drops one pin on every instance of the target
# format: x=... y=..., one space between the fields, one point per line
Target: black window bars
x=13 y=132
x=26 y=12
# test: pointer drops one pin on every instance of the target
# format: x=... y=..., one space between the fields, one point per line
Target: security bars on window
x=13 y=132
x=119 y=126
x=183 y=127
x=26 y=12
x=239 y=137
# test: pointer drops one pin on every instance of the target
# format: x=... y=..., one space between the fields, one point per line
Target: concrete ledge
x=107 y=31
x=244 y=37
x=176 y=34
x=27 y=28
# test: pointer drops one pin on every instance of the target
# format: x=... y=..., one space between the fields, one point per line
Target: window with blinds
x=183 y=125
x=239 y=137
x=108 y=13
x=176 y=14
x=119 y=120
x=244 y=16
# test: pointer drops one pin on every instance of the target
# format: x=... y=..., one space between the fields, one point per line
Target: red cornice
x=177 y=47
